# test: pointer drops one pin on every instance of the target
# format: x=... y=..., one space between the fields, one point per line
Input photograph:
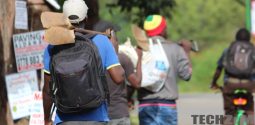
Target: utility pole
x=248 y=14
x=7 y=12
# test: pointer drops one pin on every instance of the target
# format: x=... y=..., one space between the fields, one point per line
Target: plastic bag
x=154 y=72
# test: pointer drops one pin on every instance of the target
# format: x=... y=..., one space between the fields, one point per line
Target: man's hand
x=48 y=122
x=186 y=45
x=131 y=105
x=214 y=86
x=139 y=53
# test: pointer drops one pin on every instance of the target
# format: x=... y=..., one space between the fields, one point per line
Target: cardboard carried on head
x=59 y=30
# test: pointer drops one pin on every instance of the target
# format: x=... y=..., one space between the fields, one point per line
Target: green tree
x=242 y=2
x=139 y=9
x=206 y=20
x=213 y=23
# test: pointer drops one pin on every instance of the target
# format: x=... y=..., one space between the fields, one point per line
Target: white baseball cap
x=75 y=10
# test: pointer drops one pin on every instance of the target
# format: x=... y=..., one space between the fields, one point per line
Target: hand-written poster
x=21 y=15
x=29 y=48
x=37 y=114
x=20 y=89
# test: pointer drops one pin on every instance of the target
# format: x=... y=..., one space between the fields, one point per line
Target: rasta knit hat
x=154 y=25
x=75 y=10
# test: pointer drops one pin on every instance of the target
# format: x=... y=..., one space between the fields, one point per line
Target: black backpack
x=78 y=81
x=239 y=59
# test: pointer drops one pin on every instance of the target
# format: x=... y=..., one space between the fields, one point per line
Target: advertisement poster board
x=21 y=15
x=29 y=48
x=37 y=114
x=20 y=89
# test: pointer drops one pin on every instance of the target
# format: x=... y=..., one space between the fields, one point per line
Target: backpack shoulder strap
x=80 y=36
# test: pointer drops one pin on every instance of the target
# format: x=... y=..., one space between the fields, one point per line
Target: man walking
x=118 y=107
x=76 y=11
x=159 y=108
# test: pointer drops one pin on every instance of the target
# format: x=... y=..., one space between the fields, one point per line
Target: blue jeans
x=157 y=115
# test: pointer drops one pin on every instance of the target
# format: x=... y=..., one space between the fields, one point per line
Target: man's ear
x=108 y=31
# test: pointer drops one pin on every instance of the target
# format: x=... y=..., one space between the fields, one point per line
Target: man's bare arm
x=136 y=78
x=216 y=76
x=47 y=102
x=117 y=74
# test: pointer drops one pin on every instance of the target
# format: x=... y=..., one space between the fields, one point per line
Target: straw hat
x=140 y=37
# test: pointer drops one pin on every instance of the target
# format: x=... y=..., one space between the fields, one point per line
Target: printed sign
x=29 y=48
x=20 y=89
x=35 y=1
x=21 y=16
x=37 y=114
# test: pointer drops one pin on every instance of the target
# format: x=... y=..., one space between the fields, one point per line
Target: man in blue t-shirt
x=110 y=62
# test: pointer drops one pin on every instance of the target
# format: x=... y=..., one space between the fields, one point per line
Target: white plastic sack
x=155 y=70
x=129 y=50
x=153 y=77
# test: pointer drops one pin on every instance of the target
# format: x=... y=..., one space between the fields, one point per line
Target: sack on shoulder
x=78 y=80
x=155 y=71
x=239 y=59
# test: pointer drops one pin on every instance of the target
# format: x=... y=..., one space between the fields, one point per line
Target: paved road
x=197 y=104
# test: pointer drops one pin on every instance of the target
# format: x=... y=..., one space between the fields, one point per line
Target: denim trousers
x=157 y=115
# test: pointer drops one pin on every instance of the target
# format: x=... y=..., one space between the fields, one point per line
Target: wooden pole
x=7 y=60
x=7 y=11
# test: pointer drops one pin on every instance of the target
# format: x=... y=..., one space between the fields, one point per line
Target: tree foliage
x=202 y=20
x=139 y=9
x=206 y=20
x=242 y=2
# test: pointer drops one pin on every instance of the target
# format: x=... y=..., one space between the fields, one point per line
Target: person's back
x=110 y=63
x=154 y=107
x=239 y=57
x=118 y=107
x=100 y=114
x=240 y=54
x=174 y=53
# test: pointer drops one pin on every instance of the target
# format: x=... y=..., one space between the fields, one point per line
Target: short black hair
x=102 y=26
x=243 y=35
x=93 y=8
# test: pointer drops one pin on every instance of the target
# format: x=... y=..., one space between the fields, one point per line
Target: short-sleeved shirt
x=109 y=60
x=118 y=107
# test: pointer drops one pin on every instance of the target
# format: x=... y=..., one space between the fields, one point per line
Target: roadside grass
x=204 y=64
x=134 y=119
